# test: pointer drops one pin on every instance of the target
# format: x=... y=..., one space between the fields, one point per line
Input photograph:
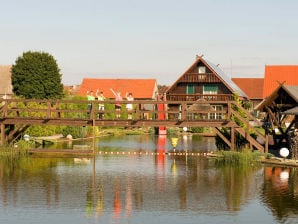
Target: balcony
x=195 y=97
x=195 y=77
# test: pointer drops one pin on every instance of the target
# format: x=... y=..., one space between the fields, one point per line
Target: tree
x=35 y=75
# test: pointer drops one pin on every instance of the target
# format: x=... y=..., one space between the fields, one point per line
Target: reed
x=244 y=158
x=12 y=153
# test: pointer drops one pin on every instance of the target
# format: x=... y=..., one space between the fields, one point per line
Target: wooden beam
x=3 y=137
x=233 y=139
x=272 y=116
x=218 y=132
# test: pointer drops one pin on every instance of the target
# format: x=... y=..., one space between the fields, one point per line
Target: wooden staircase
x=243 y=124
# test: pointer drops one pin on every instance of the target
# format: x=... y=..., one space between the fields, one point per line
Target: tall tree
x=35 y=75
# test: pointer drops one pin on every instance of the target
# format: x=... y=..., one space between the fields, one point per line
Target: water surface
x=145 y=188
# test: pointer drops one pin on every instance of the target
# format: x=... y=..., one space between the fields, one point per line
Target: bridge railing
x=142 y=109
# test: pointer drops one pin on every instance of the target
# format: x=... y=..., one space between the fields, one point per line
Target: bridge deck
x=145 y=113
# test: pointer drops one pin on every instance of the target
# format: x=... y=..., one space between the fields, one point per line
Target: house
x=203 y=81
x=277 y=74
x=252 y=87
x=141 y=89
x=5 y=81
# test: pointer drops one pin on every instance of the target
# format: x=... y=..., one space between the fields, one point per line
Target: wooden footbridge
x=16 y=115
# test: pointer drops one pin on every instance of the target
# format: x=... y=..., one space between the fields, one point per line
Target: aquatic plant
x=12 y=152
x=244 y=158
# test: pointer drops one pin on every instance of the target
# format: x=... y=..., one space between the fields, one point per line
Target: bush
x=74 y=131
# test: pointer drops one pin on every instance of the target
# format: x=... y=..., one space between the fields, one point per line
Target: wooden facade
x=203 y=80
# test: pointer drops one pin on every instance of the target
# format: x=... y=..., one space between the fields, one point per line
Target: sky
x=151 y=39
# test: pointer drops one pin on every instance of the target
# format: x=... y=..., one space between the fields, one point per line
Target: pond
x=144 y=184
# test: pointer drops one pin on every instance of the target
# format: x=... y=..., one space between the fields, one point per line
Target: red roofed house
x=277 y=74
x=141 y=89
x=252 y=87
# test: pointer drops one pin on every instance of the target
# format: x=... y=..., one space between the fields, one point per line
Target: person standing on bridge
x=90 y=97
x=129 y=106
x=101 y=106
x=118 y=99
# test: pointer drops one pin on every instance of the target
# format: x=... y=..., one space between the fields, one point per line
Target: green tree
x=35 y=75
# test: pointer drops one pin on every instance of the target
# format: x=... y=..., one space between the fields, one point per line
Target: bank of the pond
x=238 y=158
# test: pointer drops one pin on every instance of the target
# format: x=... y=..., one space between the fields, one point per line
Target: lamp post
x=284 y=152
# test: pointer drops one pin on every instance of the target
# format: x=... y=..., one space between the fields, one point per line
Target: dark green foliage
x=40 y=130
x=75 y=132
x=240 y=140
x=197 y=129
x=36 y=75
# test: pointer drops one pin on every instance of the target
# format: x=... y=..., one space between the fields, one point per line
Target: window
x=201 y=69
x=210 y=92
x=190 y=89
x=210 y=89
x=216 y=116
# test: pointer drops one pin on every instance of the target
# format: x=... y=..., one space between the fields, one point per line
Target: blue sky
x=151 y=39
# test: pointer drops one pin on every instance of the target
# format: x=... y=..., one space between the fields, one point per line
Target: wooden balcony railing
x=195 y=97
x=195 y=77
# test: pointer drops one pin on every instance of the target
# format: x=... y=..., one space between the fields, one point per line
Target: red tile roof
x=252 y=87
x=275 y=74
x=140 y=88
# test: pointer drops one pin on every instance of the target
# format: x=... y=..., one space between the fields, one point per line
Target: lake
x=135 y=180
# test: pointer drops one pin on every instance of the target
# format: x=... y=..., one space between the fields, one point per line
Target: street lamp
x=284 y=152
x=26 y=138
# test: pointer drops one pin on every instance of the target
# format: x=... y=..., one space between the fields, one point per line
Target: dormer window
x=201 y=69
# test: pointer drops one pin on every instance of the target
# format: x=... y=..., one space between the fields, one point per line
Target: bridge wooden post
x=266 y=142
x=3 y=137
x=183 y=111
x=232 y=138
x=49 y=110
x=93 y=135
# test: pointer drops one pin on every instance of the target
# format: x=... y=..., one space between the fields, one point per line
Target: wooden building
x=203 y=81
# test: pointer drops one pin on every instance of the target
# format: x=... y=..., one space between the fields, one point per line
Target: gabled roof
x=293 y=111
x=5 y=80
x=276 y=74
x=140 y=88
x=292 y=91
x=252 y=87
x=218 y=72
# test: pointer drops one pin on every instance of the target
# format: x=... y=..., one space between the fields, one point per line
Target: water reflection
x=139 y=188
x=280 y=191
